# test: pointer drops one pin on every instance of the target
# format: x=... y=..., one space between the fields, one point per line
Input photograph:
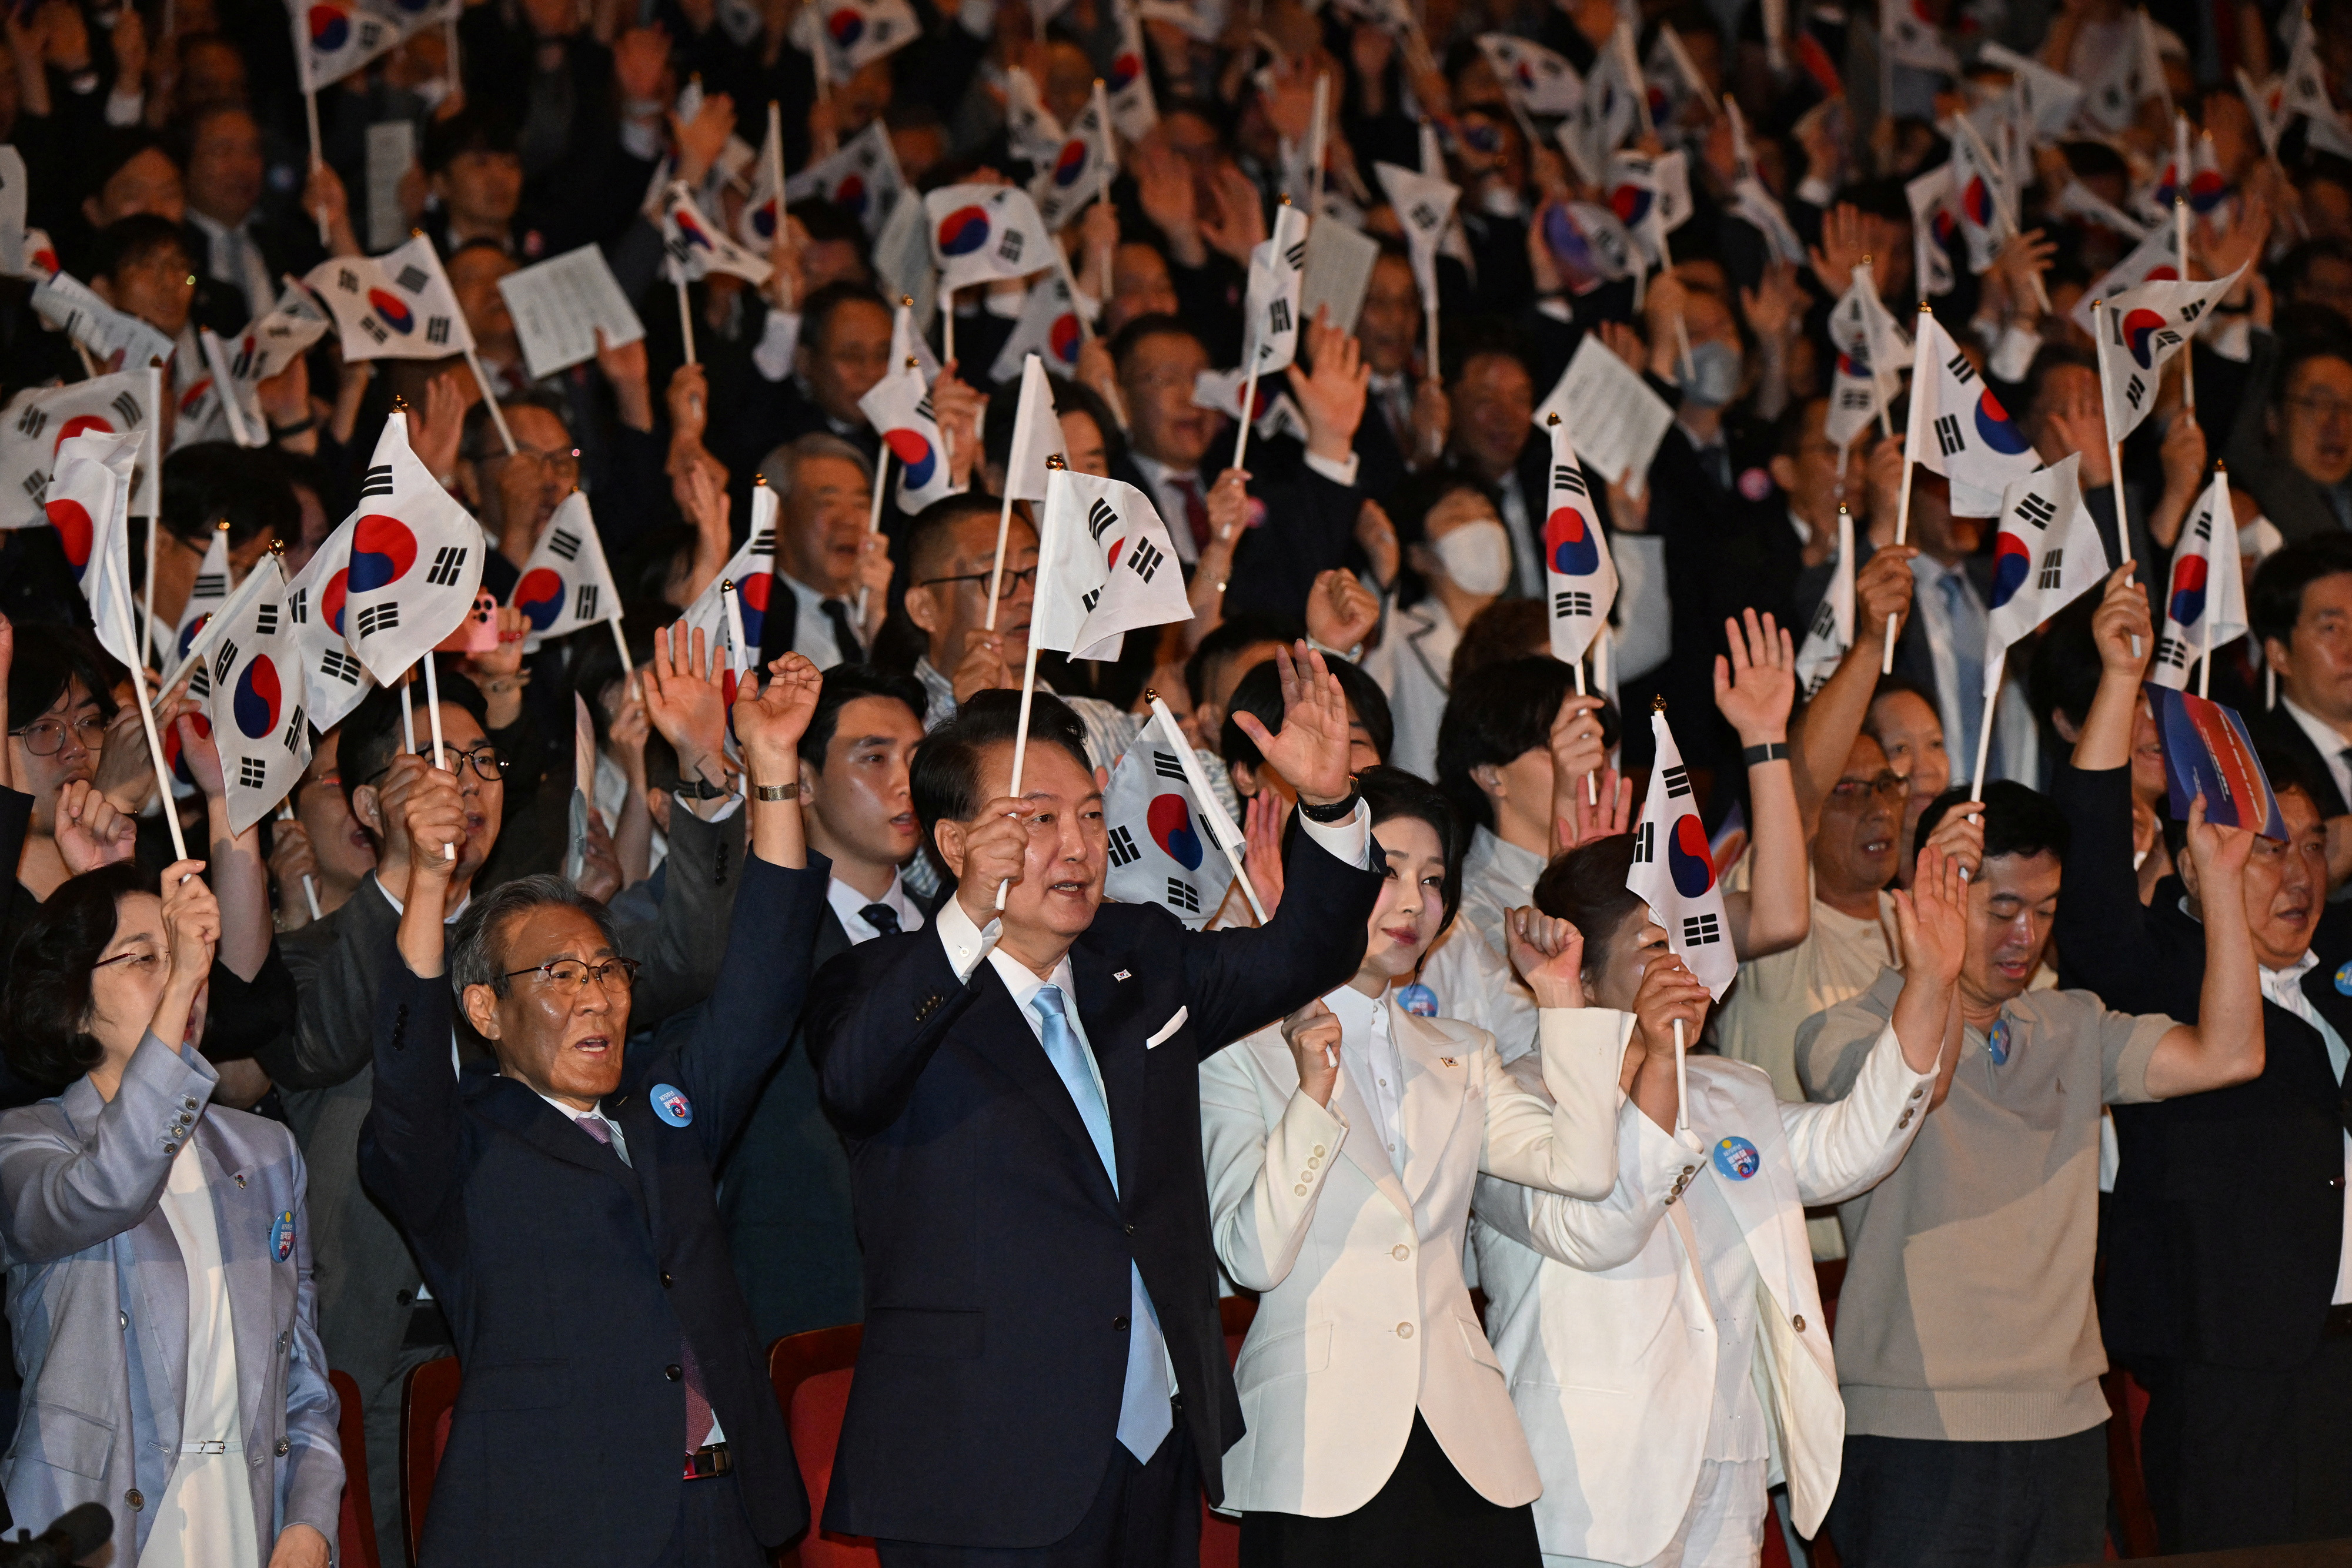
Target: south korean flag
x=2205 y=602
x=748 y=578
x=1424 y=204
x=207 y=594
x=1832 y=631
x=899 y=408
x=2046 y=554
x=1580 y=577
x=697 y=248
x=862 y=179
x=983 y=233
x=1106 y=566
x=1080 y=169
x=843 y=36
x=1161 y=847
x=396 y=306
x=1673 y=872
x=2138 y=331
x=37 y=420
x=415 y=560
x=255 y=697
x=1959 y=428
x=1271 y=309
x=87 y=502
x=565 y=586
x=317 y=606
x=1870 y=346
x=265 y=348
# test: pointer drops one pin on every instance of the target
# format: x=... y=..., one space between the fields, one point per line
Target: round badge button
x=1737 y=1158
x=671 y=1104
x=1997 y=1042
x=281 y=1235
x=1420 y=1001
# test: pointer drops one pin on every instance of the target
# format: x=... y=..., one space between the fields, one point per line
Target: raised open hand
x=771 y=721
x=1931 y=919
x=687 y=702
x=1756 y=686
x=1312 y=751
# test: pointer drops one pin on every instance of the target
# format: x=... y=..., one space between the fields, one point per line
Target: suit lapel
x=996 y=1033
x=514 y=1107
x=1362 y=1146
x=1715 y=1115
x=1429 y=1105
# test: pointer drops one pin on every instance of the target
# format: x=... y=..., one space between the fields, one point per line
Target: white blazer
x=1601 y=1314
x=1364 y=1317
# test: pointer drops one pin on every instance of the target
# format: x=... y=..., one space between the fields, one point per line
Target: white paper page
x=558 y=306
x=1338 y=270
x=1613 y=415
x=119 y=341
x=12 y=213
x=390 y=150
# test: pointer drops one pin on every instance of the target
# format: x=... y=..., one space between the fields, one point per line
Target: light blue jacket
x=98 y=1297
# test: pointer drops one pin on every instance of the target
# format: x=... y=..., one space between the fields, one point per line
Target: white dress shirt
x=2284 y=987
x=849 y=907
x=235 y=257
x=1368 y=1053
x=1168 y=496
x=2330 y=744
x=813 y=628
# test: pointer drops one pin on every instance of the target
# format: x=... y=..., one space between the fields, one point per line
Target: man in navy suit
x=1043 y=1378
x=616 y=1407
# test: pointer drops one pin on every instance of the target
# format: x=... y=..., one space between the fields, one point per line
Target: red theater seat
x=425 y=1406
x=356 y=1530
x=811 y=1374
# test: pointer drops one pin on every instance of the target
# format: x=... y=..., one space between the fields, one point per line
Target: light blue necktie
x=1145 y=1417
x=1968 y=631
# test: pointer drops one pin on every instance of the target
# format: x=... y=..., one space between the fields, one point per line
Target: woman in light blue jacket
x=159 y=1278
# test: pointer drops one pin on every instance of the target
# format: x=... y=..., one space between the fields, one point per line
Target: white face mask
x=1477 y=556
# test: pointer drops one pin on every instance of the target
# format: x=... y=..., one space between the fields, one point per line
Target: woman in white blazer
x=1665 y=1344
x=1341 y=1146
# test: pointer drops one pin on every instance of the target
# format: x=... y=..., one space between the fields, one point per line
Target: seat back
x=427 y=1402
x=2135 y=1532
x=811 y=1374
x=1221 y=1538
x=355 y=1529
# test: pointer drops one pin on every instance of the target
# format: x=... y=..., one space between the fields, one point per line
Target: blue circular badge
x=671 y=1104
x=281 y=1235
x=1737 y=1158
x=1997 y=1042
x=2344 y=981
x=1422 y=1002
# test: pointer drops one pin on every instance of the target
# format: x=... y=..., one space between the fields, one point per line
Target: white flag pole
x=1592 y=789
x=1028 y=665
x=621 y=641
x=2114 y=451
x=1004 y=508
x=152 y=449
x=1997 y=666
x=490 y=397
x=433 y=718
x=147 y=718
x=1681 y=1085
x=407 y=710
x=309 y=884
x=1228 y=837
x=2188 y=349
x=1249 y=402
x=310 y=114
x=947 y=322
x=1920 y=370
x=873 y=513
x=685 y=312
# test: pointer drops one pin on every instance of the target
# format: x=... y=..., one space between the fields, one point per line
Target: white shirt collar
x=400 y=908
x=849 y=906
x=2324 y=737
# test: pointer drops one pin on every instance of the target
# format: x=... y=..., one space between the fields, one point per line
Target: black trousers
x=1424 y=1514
x=712 y=1530
x=1905 y=1502
x=2236 y=1456
x=1143 y=1516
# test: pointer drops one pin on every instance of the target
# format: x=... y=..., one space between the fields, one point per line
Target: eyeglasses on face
x=1011 y=583
x=46 y=736
x=2327 y=410
x=139 y=963
x=1886 y=786
x=564 y=976
x=488 y=765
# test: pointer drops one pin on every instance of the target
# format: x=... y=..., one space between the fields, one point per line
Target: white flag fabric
x=566 y=586
x=1674 y=873
x=2205 y=605
x=1543 y=82
x=899 y=408
x=862 y=179
x=1831 y=631
x=116 y=339
x=1106 y=566
x=2303 y=86
x=1031 y=134
x=2047 y=553
x=2139 y=330
x=1162 y=848
x=1133 y=110
x=907 y=343
x=1424 y=206
x=1672 y=79
x=206 y=593
x=317 y=605
x=255 y=697
x=1036 y=435
x=1611 y=108
x=1761 y=211
x=763 y=218
x=1933 y=223
x=2266 y=103
x=1909 y=36
x=39 y=419
x=268 y=345
x=982 y=232
x=2078 y=200
x=1579 y=573
x=1651 y=196
x=2047 y=98
x=1981 y=201
x=852 y=33
x=2153 y=260
x=88 y=501
x=1456 y=242
x=751 y=569
x=1081 y=168
x=698 y=247
x=1959 y=429
x=396 y=306
x=332 y=38
x=1273 y=413
x=415 y=560
x=1277 y=263
x=1870 y=346
x=1049 y=328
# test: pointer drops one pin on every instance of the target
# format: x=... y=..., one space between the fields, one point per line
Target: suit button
x=239 y=1178
x=1401 y=1252
x=125 y=1317
x=1129 y=1228
x=284 y=1448
x=1799 y=1322
x=1404 y=1331
x=284 y=1340
x=1300 y=1190
x=1916 y=1094
x=404 y=1298
x=170 y=1147
x=1689 y=1171
x=1314 y=1162
x=665 y=1280
x=1318 y=1151
x=672 y=1372
x=1904 y=1120
x=187 y=1101
x=1119 y=1322
x=134 y=1499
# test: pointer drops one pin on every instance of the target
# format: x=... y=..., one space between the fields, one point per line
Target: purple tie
x=697 y=1403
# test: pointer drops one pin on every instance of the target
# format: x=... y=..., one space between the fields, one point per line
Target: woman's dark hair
x=1506 y=630
x=1586 y=887
x=1502 y=715
x=47 y=1002
x=1393 y=793
x=1259 y=694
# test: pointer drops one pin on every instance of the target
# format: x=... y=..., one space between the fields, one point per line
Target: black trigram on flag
x=2172 y=650
x=1567 y=476
x=36 y=483
x=1180 y=896
x=1855 y=398
x=1947 y=433
x=1278 y=316
x=1646 y=843
x=33 y=421
x=209 y=585
x=2052 y=569
x=1088 y=600
x=265 y=620
x=583 y=607
x=379 y=617
x=298 y=608
x=374 y=329
x=563 y=544
x=1122 y=848
x=1962 y=371
x=1011 y=249
x=292 y=738
x=1144 y=559
x=1166 y=766
x=200 y=682
x=1678 y=782
x=1295 y=256
x=2135 y=391
x=1824 y=621
x=1099 y=517
x=1571 y=605
x=437 y=330
x=338 y=665
x=1698 y=930
x=764 y=542
x=2036 y=509
x=347 y=281
x=225 y=661
x=413 y=279
x=376 y=481
x=447 y=561
x=252 y=773
x=1423 y=216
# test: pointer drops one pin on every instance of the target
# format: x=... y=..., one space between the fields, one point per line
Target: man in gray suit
x=374 y=1317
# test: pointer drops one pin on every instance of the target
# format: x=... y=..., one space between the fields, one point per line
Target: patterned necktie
x=845 y=640
x=882 y=917
x=1145 y=1417
x=697 y=1403
x=1196 y=511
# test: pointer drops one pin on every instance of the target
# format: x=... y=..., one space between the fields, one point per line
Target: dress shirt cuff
x=123 y=109
x=1815 y=191
x=642 y=139
x=966 y=945
x=2013 y=356
x=1350 y=842
x=779 y=341
x=1342 y=474
x=719 y=810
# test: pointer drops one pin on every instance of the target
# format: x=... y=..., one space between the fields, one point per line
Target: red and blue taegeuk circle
x=1631 y=204
x=75 y=531
x=915 y=453
x=1064 y=338
x=188 y=636
x=846 y=26
x=1569 y=544
x=1993 y=424
x=850 y=195
x=752 y=595
x=963 y=231
x=1169 y=819
x=2206 y=190
x=258 y=698
x=1688 y=861
x=2012 y=563
x=540 y=597
x=330 y=27
x=1071 y=166
x=2188 y=600
x=391 y=310
x=696 y=235
x=2139 y=326
x=1976 y=202
x=1124 y=69
x=383 y=549
x=763 y=220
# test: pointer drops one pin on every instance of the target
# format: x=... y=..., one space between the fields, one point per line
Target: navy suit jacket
x=997 y=1254
x=571 y=1281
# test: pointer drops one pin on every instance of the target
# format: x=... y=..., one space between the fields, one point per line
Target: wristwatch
x=701 y=789
x=1339 y=811
x=777 y=791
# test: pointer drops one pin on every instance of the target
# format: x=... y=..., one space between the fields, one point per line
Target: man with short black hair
x=2301 y=608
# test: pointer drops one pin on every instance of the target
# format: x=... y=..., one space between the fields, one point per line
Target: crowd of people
x=798 y=915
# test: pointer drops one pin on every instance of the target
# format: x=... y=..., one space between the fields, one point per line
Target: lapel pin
x=1121 y=975
x=1446 y=1061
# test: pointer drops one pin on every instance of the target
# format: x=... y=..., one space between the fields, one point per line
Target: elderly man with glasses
x=2302 y=472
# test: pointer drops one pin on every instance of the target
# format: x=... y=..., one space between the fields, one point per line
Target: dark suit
x=2228 y=1217
x=2276 y=730
x=1305 y=524
x=577 y=1284
x=997 y=1254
